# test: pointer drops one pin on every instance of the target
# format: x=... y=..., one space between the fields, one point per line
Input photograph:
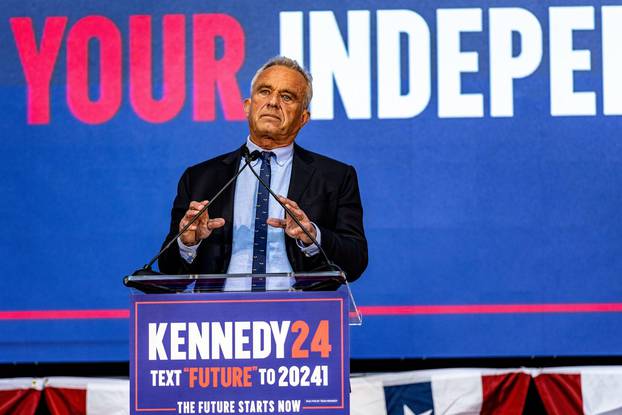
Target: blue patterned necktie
x=260 y=242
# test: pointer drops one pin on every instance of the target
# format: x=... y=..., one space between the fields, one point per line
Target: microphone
x=330 y=263
x=248 y=158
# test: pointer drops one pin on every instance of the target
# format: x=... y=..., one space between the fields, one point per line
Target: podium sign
x=240 y=353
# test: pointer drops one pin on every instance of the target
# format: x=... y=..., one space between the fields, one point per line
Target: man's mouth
x=273 y=116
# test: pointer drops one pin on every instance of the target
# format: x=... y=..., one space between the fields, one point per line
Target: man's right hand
x=201 y=228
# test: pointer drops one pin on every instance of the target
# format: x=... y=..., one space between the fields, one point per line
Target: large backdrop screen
x=486 y=137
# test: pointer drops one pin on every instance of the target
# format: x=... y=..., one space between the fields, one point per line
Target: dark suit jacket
x=325 y=189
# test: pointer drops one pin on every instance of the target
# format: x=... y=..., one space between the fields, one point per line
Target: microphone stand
x=248 y=158
x=330 y=263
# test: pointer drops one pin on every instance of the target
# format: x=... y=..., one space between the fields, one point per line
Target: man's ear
x=247 y=106
x=306 y=116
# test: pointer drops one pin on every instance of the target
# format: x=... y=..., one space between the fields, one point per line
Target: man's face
x=275 y=110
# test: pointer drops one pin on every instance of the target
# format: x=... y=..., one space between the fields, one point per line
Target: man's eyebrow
x=267 y=85
x=263 y=85
x=295 y=95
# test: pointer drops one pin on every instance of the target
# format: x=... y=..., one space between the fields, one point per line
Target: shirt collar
x=282 y=154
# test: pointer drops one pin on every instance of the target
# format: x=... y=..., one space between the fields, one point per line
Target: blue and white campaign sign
x=234 y=353
x=485 y=135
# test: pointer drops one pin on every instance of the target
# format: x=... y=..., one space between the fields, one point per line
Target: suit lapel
x=302 y=171
x=230 y=166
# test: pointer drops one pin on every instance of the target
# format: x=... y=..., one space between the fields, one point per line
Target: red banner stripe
x=491 y=309
x=65 y=314
x=378 y=310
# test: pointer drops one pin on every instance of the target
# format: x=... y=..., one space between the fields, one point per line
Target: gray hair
x=291 y=64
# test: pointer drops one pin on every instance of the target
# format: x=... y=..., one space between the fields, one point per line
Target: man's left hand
x=288 y=224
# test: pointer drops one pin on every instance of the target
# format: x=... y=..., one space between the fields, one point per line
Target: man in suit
x=245 y=230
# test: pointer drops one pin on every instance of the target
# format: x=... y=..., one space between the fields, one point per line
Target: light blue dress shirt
x=244 y=223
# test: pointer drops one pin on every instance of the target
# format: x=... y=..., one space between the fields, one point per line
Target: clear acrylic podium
x=206 y=283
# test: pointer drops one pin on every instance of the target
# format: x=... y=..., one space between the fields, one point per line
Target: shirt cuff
x=310 y=250
x=188 y=253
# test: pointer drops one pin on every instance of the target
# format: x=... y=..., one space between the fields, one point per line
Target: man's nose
x=274 y=99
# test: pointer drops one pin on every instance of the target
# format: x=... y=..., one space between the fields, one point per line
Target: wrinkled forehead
x=282 y=78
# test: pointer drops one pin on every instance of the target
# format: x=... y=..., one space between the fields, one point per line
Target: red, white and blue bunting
x=563 y=391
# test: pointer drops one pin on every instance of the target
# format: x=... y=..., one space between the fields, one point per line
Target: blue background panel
x=458 y=211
